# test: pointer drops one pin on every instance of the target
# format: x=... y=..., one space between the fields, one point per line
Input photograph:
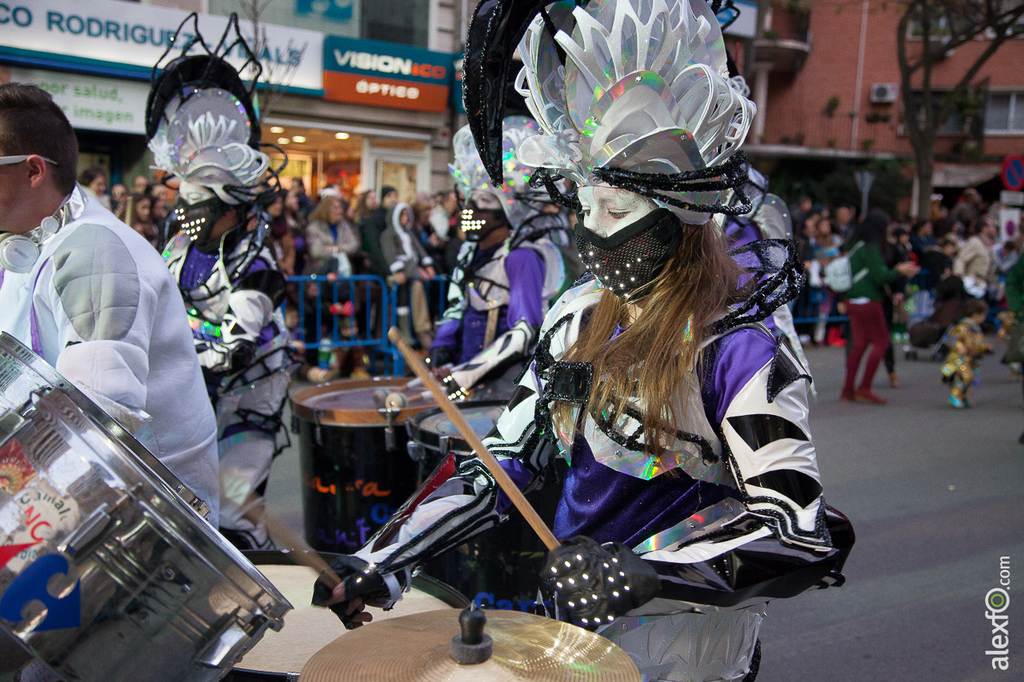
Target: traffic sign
x=1013 y=172
x=1008 y=198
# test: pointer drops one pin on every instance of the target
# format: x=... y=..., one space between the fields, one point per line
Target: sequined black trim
x=469 y=467
x=759 y=430
x=606 y=423
x=781 y=512
x=570 y=382
x=762 y=568
x=544 y=177
x=784 y=370
x=743 y=525
x=773 y=286
x=731 y=174
x=795 y=485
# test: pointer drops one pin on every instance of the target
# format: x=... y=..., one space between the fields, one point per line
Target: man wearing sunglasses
x=93 y=298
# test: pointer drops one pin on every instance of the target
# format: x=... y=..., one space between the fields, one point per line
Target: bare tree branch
x=944 y=25
x=277 y=76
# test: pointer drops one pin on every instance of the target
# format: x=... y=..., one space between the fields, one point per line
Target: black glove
x=597 y=583
x=358 y=581
x=441 y=355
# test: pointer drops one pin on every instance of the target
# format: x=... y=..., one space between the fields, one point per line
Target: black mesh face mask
x=629 y=260
x=477 y=223
x=196 y=220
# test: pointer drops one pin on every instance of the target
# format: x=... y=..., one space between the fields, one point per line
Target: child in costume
x=966 y=344
x=204 y=131
x=692 y=495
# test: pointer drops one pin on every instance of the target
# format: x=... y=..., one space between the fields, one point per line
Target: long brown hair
x=651 y=357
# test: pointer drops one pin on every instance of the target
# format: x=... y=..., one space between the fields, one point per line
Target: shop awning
x=962 y=175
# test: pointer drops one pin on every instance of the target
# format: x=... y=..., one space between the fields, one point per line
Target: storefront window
x=319 y=157
x=322 y=157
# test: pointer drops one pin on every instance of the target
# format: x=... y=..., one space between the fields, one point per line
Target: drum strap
x=37 y=344
x=492 y=326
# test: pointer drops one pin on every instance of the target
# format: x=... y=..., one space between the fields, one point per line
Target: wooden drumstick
x=287 y=539
x=513 y=492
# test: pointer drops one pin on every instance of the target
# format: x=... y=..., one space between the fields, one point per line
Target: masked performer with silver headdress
x=508 y=270
x=204 y=131
x=692 y=495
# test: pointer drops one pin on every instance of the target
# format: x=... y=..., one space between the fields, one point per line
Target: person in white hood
x=93 y=298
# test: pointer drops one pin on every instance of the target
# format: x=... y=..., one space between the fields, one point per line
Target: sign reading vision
x=126 y=39
x=385 y=74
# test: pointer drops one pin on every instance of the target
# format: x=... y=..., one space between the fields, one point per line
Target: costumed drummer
x=692 y=495
x=205 y=133
x=508 y=270
x=93 y=298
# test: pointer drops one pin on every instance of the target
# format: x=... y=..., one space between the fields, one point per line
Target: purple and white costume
x=203 y=130
x=638 y=112
x=498 y=296
x=737 y=489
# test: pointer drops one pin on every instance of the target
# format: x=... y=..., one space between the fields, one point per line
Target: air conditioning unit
x=884 y=93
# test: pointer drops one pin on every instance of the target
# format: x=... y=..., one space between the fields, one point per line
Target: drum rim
x=429 y=585
x=430 y=439
x=355 y=417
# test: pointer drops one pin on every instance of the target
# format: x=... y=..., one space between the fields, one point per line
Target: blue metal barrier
x=920 y=290
x=375 y=313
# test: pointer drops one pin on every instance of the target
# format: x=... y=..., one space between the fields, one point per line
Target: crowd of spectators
x=408 y=245
x=919 y=271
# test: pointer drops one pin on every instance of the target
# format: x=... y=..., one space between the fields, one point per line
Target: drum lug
x=225 y=648
x=9 y=423
x=416 y=452
x=88 y=531
x=444 y=443
x=317 y=414
x=389 y=431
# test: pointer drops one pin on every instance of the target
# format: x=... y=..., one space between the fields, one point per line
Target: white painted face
x=606 y=209
x=485 y=200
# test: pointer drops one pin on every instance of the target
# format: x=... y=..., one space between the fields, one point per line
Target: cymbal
x=416 y=648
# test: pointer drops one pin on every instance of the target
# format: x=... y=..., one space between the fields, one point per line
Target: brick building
x=827 y=85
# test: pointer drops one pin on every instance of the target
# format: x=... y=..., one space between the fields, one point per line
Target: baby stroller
x=925 y=335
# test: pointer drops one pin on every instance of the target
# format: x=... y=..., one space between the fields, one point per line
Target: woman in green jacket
x=1015 y=297
x=864 y=303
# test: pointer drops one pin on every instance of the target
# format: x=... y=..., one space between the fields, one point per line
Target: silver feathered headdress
x=643 y=101
x=201 y=120
x=469 y=173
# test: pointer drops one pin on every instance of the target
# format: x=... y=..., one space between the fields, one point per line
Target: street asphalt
x=936 y=496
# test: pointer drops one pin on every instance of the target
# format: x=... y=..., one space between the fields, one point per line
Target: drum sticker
x=15 y=469
x=44 y=515
x=8 y=552
x=61 y=612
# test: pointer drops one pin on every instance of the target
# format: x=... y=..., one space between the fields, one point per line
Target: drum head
x=349 y=402
x=428 y=427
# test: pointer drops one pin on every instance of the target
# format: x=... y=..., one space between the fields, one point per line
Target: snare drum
x=355 y=468
x=105 y=573
x=279 y=656
x=499 y=568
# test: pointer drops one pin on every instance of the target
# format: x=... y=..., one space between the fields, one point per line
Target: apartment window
x=1005 y=112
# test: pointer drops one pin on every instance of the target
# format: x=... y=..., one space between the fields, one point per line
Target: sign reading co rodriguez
x=125 y=39
x=385 y=74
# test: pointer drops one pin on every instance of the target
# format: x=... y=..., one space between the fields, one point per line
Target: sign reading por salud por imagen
x=383 y=74
x=125 y=39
